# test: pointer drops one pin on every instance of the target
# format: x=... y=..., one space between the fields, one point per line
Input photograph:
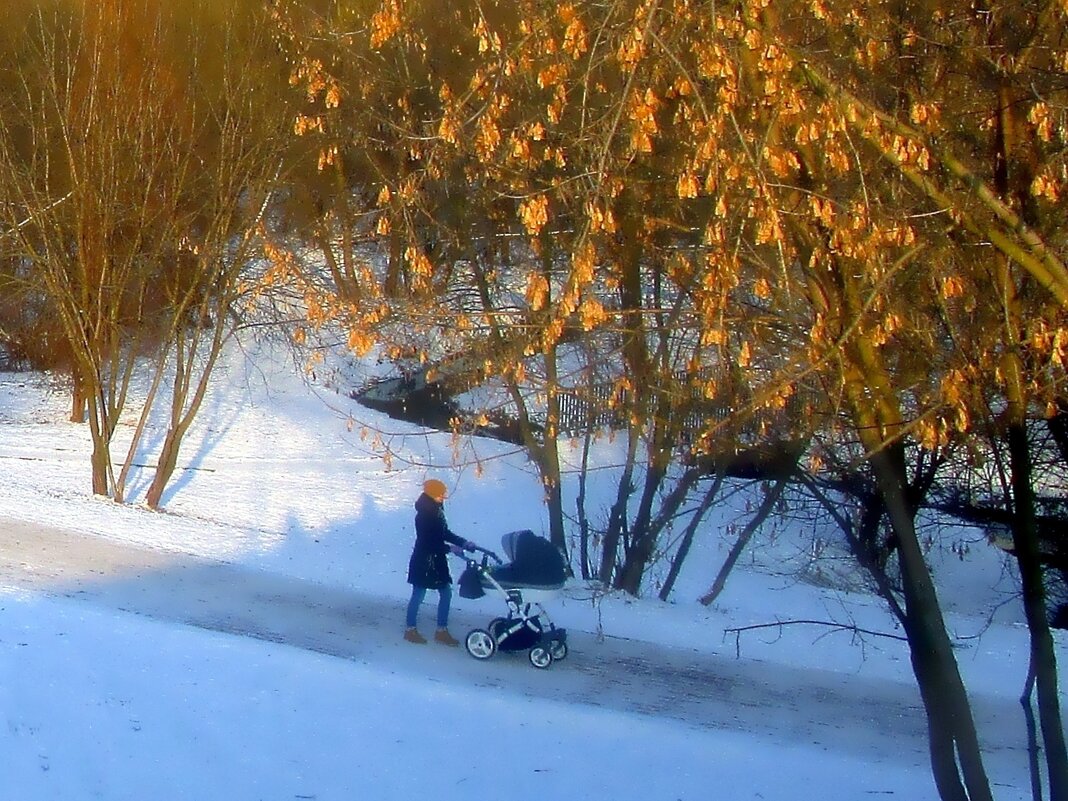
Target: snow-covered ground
x=246 y=643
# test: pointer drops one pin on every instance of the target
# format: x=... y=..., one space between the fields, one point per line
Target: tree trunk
x=1043 y=652
x=643 y=535
x=100 y=460
x=77 y=399
x=580 y=508
x=743 y=539
x=554 y=501
x=165 y=467
x=1016 y=151
x=951 y=728
x=875 y=403
x=1034 y=751
x=550 y=462
x=616 y=530
x=688 y=536
x=1058 y=429
x=185 y=404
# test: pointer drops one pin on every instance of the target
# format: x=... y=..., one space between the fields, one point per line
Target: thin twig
x=737 y=631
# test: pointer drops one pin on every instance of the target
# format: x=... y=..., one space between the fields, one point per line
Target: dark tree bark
x=956 y=757
x=688 y=537
x=1043 y=652
x=750 y=529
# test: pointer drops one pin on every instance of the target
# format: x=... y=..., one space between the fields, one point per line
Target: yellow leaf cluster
x=871 y=53
x=552 y=75
x=488 y=41
x=745 y=355
x=924 y=114
x=632 y=48
x=450 y=128
x=552 y=333
x=822 y=210
x=768 y=224
x=534 y=213
x=782 y=162
x=1044 y=186
x=642 y=110
x=304 y=124
x=281 y=261
x=931 y=434
x=600 y=217
x=310 y=72
x=583 y=263
x=952 y=287
x=333 y=96
x=575 y=36
x=1049 y=342
x=360 y=342
x=418 y=261
x=386 y=23
x=713 y=336
x=554 y=111
x=591 y=313
x=327 y=157
x=687 y=186
x=1041 y=119
x=817 y=9
x=908 y=152
x=488 y=138
x=537 y=291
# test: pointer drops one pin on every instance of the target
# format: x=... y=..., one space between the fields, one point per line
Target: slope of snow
x=110 y=697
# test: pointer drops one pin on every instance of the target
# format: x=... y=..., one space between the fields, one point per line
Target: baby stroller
x=535 y=565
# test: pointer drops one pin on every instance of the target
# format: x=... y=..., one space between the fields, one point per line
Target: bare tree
x=136 y=154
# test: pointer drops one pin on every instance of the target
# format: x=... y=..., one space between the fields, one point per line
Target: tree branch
x=737 y=631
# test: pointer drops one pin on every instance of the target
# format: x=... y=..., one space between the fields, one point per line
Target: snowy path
x=868 y=718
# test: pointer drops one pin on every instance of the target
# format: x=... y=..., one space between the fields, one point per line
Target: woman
x=428 y=568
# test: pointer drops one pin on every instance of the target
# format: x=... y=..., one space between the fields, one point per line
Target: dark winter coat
x=429 y=565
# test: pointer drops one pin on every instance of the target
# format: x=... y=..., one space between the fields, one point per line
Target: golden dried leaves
x=591 y=314
x=537 y=293
x=386 y=23
x=534 y=213
x=417 y=259
x=360 y=342
x=641 y=109
x=304 y=124
x=1045 y=186
x=687 y=185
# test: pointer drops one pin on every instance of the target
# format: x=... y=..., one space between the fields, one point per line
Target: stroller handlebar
x=487 y=552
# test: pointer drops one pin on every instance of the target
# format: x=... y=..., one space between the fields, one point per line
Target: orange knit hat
x=435 y=489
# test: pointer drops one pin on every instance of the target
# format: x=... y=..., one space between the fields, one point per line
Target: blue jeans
x=444 y=600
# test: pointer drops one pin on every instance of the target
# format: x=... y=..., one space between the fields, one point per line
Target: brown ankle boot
x=412 y=635
x=443 y=636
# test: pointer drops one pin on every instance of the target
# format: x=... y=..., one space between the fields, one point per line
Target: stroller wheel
x=558 y=649
x=480 y=644
x=540 y=657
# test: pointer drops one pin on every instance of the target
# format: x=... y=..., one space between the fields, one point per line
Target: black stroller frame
x=522 y=629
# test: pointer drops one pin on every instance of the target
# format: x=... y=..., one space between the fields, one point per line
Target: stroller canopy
x=535 y=563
